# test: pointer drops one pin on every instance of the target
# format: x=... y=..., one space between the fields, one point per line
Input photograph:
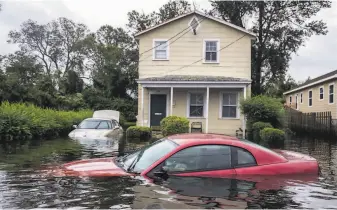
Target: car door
x=201 y=160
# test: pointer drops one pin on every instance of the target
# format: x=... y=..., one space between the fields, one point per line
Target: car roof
x=197 y=137
x=98 y=118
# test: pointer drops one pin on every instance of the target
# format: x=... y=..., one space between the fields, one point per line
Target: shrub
x=272 y=137
x=256 y=128
x=128 y=124
x=139 y=132
x=264 y=109
x=18 y=120
x=173 y=125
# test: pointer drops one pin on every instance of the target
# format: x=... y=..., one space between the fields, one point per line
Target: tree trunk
x=259 y=60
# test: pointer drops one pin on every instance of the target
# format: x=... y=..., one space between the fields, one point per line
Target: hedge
x=174 y=125
x=22 y=121
x=141 y=133
x=256 y=128
x=273 y=138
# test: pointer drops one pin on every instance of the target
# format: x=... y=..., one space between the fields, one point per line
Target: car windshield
x=145 y=157
x=90 y=124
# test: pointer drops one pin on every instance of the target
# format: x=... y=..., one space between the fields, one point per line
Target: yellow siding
x=317 y=104
x=215 y=123
x=235 y=61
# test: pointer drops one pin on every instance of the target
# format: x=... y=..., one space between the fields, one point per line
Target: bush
x=128 y=124
x=139 y=132
x=18 y=120
x=256 y=128
x=272 y=137
x=264 y=109
x=173 y=125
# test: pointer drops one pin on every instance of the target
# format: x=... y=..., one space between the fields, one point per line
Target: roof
x=193 y=78
x=188 y=137
x=201 y=14
x=315 y=81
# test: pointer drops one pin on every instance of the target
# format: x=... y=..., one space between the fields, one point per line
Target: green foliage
x=18 y=120
x=174 y=125
x=273 y=138
x=264 y=109
x=126 y=125
x=256 y=128
x=141 y=133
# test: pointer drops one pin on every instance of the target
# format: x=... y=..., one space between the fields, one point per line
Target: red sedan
x=196 y=155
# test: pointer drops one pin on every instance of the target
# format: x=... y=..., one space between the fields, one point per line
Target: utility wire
x=204 y=57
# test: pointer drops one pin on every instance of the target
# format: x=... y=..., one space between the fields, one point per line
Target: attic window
x=194 y=24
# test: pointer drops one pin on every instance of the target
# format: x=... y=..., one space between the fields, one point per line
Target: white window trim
x=312 y=101
x=290 y=99
x=154 y=49
x=237 y=105
x=319 y=93
x=333 y=84
x=204 y=51
x=188 y=104
x=296 y=102
x=301 y=98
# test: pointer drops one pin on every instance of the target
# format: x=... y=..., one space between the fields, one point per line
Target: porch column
x=171 y=105
x=244 y=119
x=142 y=107
x=207 y=105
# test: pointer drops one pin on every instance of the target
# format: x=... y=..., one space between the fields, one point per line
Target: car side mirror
x=74 y=126
x=162 y=173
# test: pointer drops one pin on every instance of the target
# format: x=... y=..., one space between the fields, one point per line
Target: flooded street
x=22 y=184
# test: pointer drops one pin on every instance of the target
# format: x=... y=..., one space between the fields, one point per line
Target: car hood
x=88 y=133
x=91 y=167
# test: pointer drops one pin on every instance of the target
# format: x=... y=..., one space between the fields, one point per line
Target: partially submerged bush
x=174 y=125
x=256 y=128
x=264 y=109
x=18 y=120
x=273 y=138
x=141 y=133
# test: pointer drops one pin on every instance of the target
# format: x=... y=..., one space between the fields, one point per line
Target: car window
x=89 y=124
x=245 y=158
x=103 y=125
x=114 y=123
x=200 y=158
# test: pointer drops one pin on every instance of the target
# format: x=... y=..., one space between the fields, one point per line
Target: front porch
x=214 y=104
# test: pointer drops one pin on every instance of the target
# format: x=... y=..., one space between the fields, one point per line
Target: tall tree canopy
x=282 y=27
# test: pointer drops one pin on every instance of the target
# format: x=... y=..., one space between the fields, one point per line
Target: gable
x=192 y=16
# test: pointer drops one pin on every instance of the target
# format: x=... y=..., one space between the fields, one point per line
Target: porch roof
x=192 y=79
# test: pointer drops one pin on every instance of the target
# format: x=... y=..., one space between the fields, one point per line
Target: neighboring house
x=315 y=95
x=191 y=76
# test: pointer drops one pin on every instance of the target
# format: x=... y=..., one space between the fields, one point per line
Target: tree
x=277 y=88
x=282 y=27
x=58 y=44
x=141 y=21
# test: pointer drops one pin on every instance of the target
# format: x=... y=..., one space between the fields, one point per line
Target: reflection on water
x=23 y=186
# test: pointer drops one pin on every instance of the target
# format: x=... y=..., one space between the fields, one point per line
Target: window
x=301 y=98
x=229 y=105
x=290 y=100
x=310 y=97
x=331 y=93
x=196 y=105
x=211 y=48
x=296 y=101
x=200 y=158
x=161 y=50
x=244 y=158
x=103 y=125
x=321 y=93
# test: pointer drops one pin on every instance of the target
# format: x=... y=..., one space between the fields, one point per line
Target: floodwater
x=23 y=186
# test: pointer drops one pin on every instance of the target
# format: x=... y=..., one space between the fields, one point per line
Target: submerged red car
x=196 y=155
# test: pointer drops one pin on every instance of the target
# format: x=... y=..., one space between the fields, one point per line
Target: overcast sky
x=319 y=56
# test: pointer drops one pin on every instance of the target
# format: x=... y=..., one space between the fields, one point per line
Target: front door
x=157 y=109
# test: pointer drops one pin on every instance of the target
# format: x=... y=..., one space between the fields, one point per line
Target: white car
x=104 y=124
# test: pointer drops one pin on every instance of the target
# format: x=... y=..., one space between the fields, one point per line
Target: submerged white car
x=104 y=124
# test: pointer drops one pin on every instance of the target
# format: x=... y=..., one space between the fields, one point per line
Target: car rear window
x=262 y=148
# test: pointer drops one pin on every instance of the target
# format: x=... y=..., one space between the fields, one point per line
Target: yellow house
x=315 y=95
x=195 y=66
